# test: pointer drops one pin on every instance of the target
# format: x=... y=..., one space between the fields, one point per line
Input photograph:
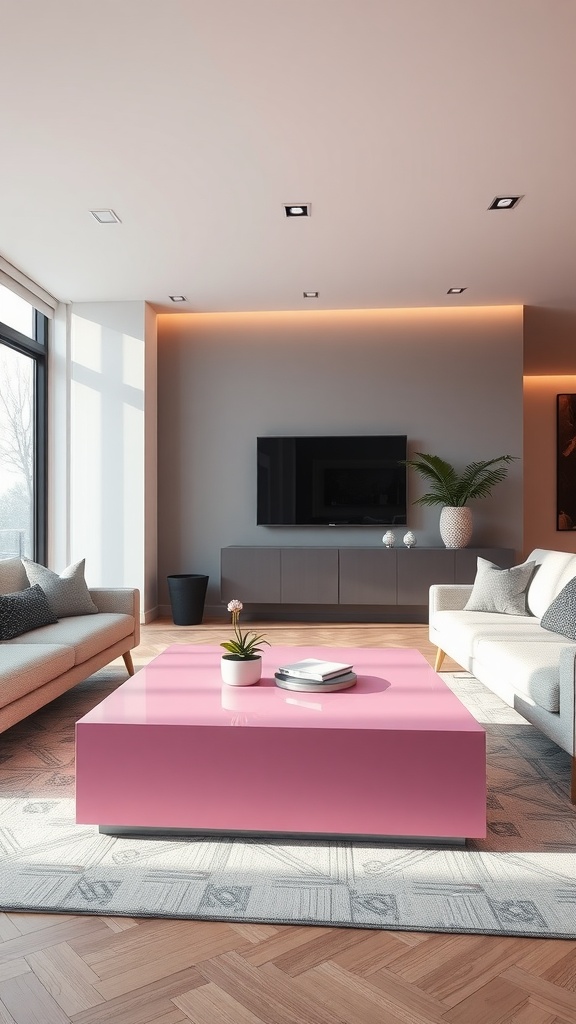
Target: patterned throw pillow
x=67 y=593
x=560 y=616
x=25 y=610
x=500 y=590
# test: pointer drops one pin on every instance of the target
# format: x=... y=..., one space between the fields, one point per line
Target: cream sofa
x=529 y=667
x=39 y=665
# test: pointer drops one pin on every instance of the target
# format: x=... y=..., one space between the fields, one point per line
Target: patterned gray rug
x=521 y=880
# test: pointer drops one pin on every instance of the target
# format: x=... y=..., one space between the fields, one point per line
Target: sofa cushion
x=86 y=635
x=12 y=576
x=531 y=669
x=25 y=667
x=25 y=610
x=500 y=590
x=67 y=593
x=560 y=616
x=556 y=568
x=459 y=632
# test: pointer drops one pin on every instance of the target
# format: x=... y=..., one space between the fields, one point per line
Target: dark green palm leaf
x=442 y=477
x=450 y=488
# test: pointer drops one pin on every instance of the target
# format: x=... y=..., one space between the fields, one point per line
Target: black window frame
x=37 y=349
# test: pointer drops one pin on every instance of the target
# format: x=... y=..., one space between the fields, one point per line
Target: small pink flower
x=244 y=645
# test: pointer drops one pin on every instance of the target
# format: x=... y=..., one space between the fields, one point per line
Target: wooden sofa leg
x=129 y=663
x=573 y=782
x=440 y=655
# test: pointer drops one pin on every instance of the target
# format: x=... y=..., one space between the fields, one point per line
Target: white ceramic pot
x=240 y=671
x=456 y=526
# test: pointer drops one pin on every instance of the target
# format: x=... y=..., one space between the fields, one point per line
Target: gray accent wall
x=449 y=379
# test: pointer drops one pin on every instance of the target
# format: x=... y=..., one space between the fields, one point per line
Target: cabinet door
x=466 y=561
x=309 y=575
x=250 y=574
x=367 y=576
x=419 y=568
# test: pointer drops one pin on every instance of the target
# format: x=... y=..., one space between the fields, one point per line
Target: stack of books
x=313 y=675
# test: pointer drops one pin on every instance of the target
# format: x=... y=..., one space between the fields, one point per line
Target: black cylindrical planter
x=187 y=595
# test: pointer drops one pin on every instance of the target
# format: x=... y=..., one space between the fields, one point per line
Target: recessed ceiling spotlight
x=178 y=298
x=310 y=295
x=297 y=210
x=504 y=202
x=106 y=216
x=455 y=291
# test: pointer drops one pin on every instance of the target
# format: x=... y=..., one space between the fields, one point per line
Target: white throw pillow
x=556 y=569
x=67 y=593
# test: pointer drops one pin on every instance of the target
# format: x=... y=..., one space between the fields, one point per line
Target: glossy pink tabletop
x=396 y=688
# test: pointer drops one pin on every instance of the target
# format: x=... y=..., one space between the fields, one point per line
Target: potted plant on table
x=242 y=666
x=454 y=490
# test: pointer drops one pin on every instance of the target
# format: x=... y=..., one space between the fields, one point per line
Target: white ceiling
x=196 y=120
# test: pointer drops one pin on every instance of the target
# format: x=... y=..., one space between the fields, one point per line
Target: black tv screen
x=331 y=481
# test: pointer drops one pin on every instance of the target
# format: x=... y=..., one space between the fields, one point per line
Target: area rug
x=521 y=880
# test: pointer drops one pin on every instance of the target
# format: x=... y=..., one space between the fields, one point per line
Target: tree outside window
x=21 y=356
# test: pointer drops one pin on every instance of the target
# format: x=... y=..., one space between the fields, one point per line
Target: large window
x=23 y=343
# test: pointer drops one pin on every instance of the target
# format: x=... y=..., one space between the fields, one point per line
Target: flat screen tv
x=331 y=481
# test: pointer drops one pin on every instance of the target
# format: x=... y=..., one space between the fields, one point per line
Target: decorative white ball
x=409 y=539
x=389 y=539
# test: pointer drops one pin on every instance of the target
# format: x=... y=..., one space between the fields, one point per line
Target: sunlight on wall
x=16 y=312
x=132 y=364
x=133 y=478
x=87 y=344
x=107 y=453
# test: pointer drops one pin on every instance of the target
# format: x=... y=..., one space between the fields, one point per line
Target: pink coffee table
x=396 y=756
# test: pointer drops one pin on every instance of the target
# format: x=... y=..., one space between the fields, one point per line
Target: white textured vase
x=240 y=671
x=456 y=526
x=389 y=539
x=409 y=539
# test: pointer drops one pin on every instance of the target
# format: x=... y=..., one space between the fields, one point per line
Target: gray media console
x=360 y=577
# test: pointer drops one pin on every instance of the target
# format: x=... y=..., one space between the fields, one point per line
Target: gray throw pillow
x=25 y=610
x=67 y=593
x=560 y=616
x=12 y=575
x=500 y=590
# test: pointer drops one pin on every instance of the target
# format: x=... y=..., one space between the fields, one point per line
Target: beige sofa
x=39 y=665
x=531 y=668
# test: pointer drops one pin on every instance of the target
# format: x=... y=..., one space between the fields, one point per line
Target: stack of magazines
x=312 y=675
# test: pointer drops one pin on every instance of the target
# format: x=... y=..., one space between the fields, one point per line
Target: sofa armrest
x=119 y=599
x=448 y=597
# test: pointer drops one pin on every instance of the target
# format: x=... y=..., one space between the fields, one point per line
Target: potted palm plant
x=454 y=490
x=242 y=666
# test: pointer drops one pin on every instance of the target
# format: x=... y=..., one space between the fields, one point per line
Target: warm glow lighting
x=331 y=317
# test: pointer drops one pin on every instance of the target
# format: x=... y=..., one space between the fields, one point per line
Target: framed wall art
x=566 y=462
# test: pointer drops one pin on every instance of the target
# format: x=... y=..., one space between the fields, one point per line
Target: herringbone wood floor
x=93 y=970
